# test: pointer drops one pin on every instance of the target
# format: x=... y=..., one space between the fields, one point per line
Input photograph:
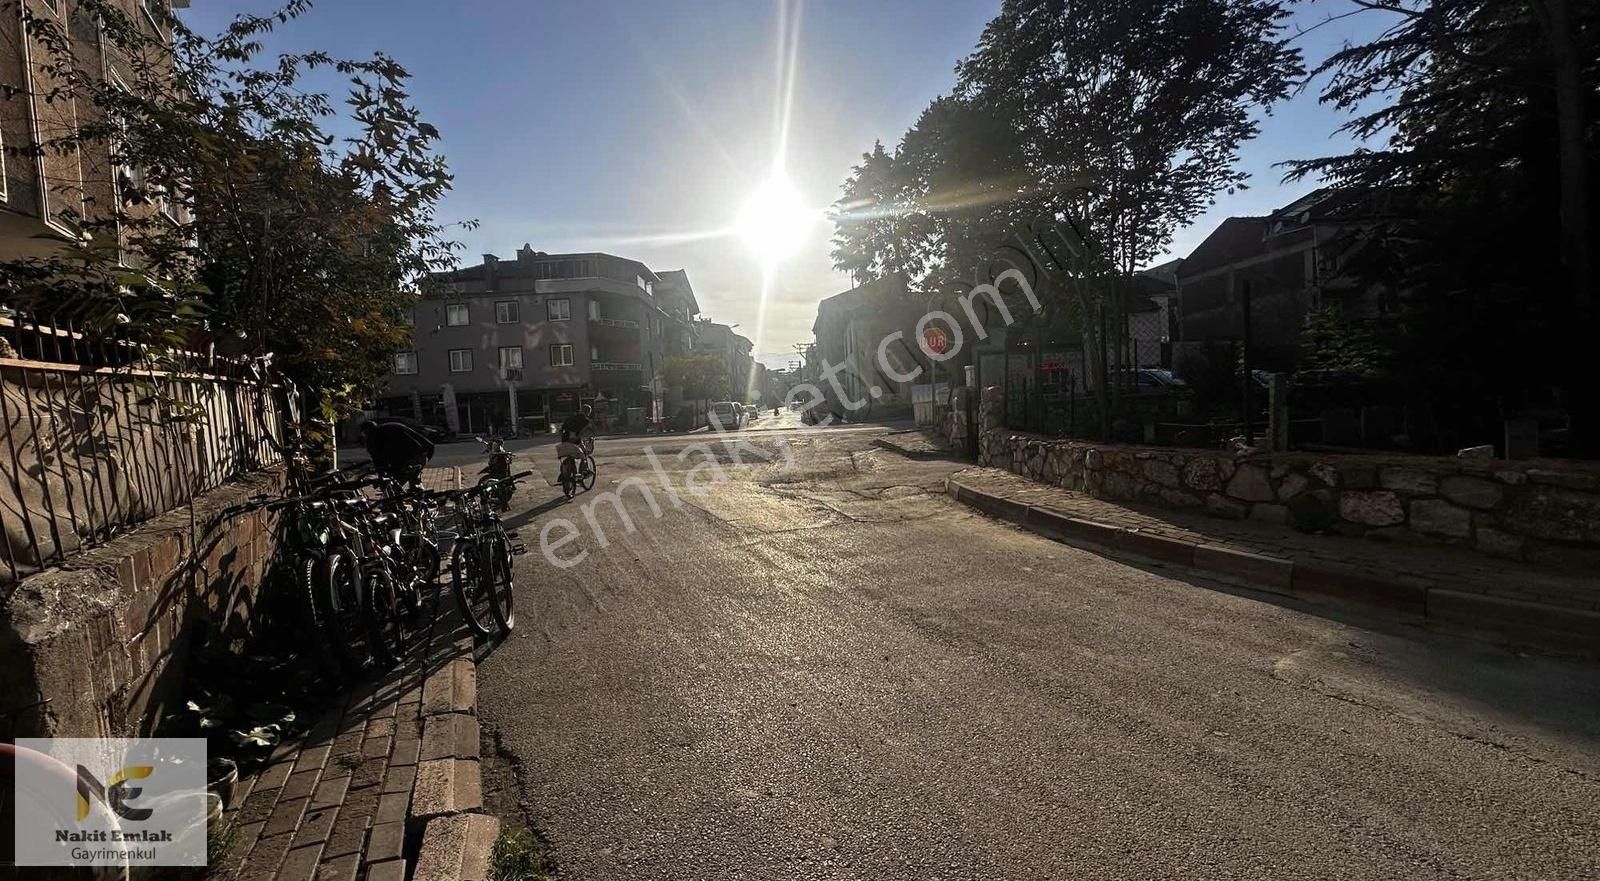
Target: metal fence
x=97 y=437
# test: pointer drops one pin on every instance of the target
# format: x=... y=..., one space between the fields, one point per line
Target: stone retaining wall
x=1545 y=511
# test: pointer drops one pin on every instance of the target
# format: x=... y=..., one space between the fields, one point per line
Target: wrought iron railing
x=98 y=436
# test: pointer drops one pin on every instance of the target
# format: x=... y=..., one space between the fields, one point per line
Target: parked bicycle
x=480 y=562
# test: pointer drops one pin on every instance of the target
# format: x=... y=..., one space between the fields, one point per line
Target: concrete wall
x=105 y=641
x=1543 y=511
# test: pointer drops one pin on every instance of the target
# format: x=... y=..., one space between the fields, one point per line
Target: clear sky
x=639 y=127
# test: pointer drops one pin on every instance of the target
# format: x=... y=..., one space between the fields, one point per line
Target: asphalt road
x=825 y=669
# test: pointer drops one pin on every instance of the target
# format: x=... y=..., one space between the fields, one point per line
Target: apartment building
x=44 y=197
x=528 y=340
x=711 y=338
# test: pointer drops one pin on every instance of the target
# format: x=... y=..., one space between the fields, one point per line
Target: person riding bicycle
x=573 y=430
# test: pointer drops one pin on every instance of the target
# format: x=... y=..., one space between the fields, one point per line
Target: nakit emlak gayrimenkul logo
x=114 y=795
x=85 y=801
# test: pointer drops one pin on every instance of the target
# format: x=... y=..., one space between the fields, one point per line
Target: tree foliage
x=305 y=224
x=1485 y=118
x=698 y=377
x=1126 y=116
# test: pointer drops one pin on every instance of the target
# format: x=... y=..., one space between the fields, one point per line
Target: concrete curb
x=1555 y=628
x=453 y=837
x=884 y=443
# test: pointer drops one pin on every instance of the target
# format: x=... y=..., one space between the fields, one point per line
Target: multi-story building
x=509 y=341
x=734 y=349
x=46 y=194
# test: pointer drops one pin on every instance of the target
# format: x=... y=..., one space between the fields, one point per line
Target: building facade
x=719 y=340
x=44 y=197
x=524 y=342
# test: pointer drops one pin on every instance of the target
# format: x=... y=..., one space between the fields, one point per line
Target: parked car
x=726 y=416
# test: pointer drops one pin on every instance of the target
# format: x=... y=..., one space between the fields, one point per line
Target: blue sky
x=639 y=126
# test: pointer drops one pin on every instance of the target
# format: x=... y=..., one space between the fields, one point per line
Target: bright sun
x=774 y=221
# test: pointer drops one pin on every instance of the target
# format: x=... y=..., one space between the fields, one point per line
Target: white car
x=726 y=416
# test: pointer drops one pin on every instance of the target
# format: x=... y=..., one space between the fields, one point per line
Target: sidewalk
x=1456 y=587
x=386 y=787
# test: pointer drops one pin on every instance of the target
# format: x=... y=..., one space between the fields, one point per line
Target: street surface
x=834 y=671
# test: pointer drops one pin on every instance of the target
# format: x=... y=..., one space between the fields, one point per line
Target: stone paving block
x=400 y=778
x=339 y=869
x=258 y=807
x=457 y=848
x=446 y=786
x=301 y=784
x=348 y=836
x=275 y=775
x=405 y=752
x=244 y=838
x=377 y=747
x=316 y=826
x=301 y=863
x=330 y=792
x=285 y=817
x=263 y=860
x=393 y=870
x=452 y=688
x=392 y=808
x=369 y=772
x=386 y=841
x=314 y=757
x=377 y=727
x=454 y=735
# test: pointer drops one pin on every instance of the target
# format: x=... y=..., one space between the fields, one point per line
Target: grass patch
x=518 y=856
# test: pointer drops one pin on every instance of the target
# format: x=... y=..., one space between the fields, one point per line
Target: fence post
x=1278 y=413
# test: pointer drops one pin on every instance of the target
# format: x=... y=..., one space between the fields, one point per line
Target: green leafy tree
x=697 y=377
x=239 y=218
x=1483 y=115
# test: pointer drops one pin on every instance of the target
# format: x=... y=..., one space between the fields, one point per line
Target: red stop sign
x=935 y=340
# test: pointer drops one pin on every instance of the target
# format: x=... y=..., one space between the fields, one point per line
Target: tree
x=1484 y=109
x=290 y=240
x=1123 y=119
x=697 y=377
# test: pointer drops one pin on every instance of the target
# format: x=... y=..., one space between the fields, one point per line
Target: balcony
x=614 y=322
x=615 y=365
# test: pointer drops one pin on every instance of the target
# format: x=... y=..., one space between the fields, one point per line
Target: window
x=405 y=363
x=594 y=353
x=460 y=360
x=455 y=314
x=507 y=312
x=510 y=357
x=559 y=310
x=594 y=310
x=639 y=280
x=561 y=355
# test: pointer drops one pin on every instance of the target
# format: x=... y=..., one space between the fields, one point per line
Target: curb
x=1480 y=616
x=447 y=829
x=884 y=443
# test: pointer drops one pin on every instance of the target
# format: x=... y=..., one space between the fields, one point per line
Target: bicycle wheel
x=384 y=617
x=501 y=594
x=586 y=478
x=344 y=593
x=472 y=588
x=315 y=615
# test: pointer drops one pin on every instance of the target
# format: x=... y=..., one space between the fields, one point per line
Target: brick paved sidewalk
x=353 y=798
x=1412 y=573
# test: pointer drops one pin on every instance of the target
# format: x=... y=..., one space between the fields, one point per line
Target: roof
x=880 y=292
x=678 y=279
x=1235 y=239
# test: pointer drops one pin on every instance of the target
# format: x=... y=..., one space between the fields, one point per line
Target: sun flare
x=775 y=221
